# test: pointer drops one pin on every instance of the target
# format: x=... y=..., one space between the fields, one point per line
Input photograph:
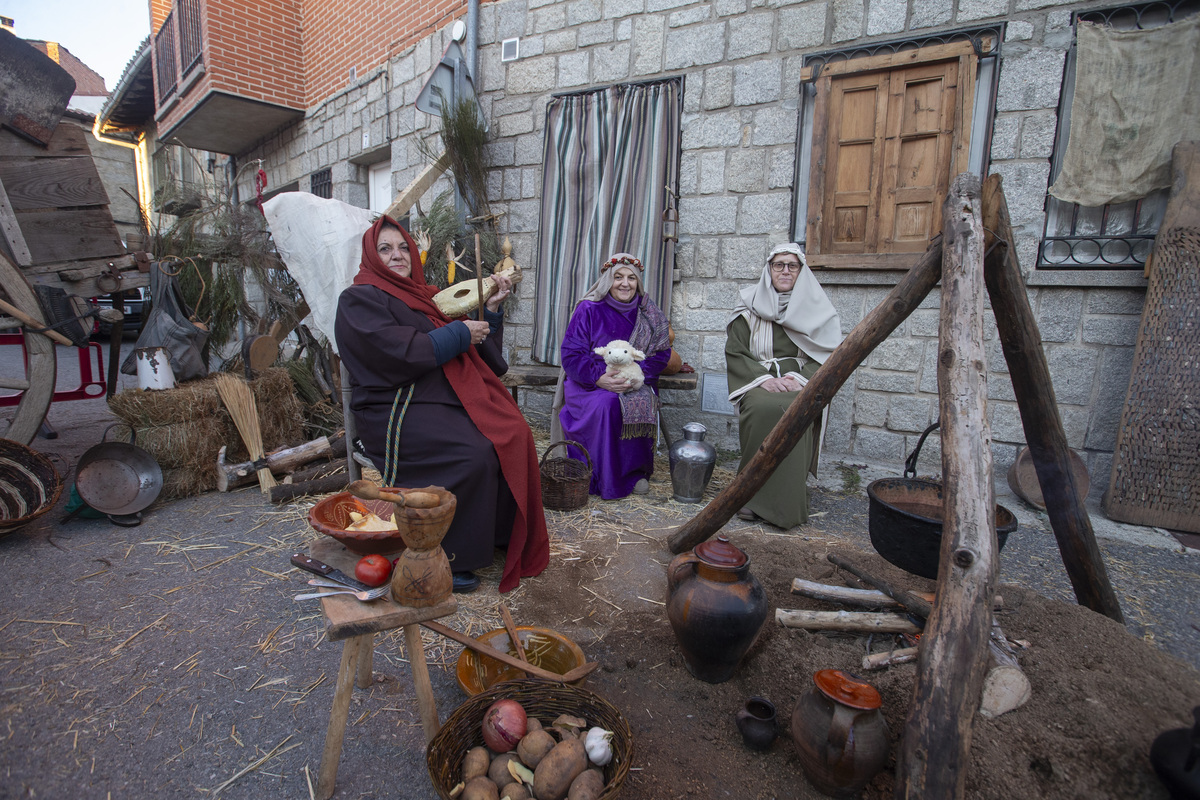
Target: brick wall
x=253 y=49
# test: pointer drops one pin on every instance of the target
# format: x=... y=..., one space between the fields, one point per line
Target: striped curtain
x=610 y=156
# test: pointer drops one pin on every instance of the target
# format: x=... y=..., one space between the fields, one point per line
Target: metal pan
x=118 y=479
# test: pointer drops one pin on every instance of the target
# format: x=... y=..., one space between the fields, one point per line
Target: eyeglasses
x=779 y=267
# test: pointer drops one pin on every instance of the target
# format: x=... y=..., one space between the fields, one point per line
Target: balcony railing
x=164 y=58
x=190 y=47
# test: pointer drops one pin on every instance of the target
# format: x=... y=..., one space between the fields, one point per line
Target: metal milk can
x=692 y=461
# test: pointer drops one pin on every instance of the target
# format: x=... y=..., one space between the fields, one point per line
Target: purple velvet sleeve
x=581 y=364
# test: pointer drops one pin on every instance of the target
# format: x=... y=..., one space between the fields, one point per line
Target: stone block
x=721 y=294
x=749 y=35
x=1037 y=135
x=500 y=153
x=760 y=82
x=1025 y=189
x=559 y=41
x=725 y=8
x=1027 y=5
x=688 y=16
x=711 y=130
x=745 y=170
x=706 y=257
x=910 y=414
x=702 y=320
x=712 y=171
x=928 y=13
x=532 y=45
x=573 y=69
x=774 y=125
x=848 y=16
x=510 y=20
x=765 y=213
x=1018 y=30
x=523 y=216
x=1005 y=420
x=742 y=257
x=981 y=9
x=695 y=46
x=689 y=177
x=877 y=445
x=713 y=358
x=1119 y=331
x=781 y=169
x=1006 y=133
x=839 y=429
x=897 y=353
x=610 y=64
x=511 y=189
x=1030 y=81
x=648 y=43
x=802 y=27
x=871 y=409
x=886 y=16
x=711 y=215
x=1116 y=301
x=624 y=29
x=547 y=19
x=1075 y=425
x=1059 y=313
x=623 y=8
x=887 y=381
x=929 y=365
x=580 y=12
x=595 y=33
x=1072 y=369
x=527 y=76
x=514 y=124
x=718 y=88
x=923 y=323
x=528 y=149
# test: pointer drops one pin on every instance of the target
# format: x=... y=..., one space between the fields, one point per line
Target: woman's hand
x=503 y=290
x=613 y=383
x=786 y=384
x=479 y=330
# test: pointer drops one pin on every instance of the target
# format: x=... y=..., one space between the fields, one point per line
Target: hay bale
x=188 y=482
x=189 y=444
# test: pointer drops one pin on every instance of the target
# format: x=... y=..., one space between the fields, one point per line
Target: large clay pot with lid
x=715 y=606
x=839 y=732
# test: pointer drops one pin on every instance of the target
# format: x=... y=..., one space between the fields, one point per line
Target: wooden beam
x=953 y=656
x=806 y=407
x=12 y=230
x=1034 y=390
x=419 y=186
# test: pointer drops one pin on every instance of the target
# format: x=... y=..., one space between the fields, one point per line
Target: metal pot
x=905 y=518
x=118 y=479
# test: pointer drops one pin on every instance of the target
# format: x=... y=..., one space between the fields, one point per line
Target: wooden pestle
x=366 y=490
x=511 y=628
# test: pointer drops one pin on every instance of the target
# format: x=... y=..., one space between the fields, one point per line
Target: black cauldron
x=905 y=518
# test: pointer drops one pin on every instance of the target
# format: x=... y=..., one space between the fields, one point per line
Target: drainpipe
x=472 y=41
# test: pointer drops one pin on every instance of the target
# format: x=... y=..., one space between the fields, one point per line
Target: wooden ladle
x=504 y=658
x=511 y=628
x=365 y=490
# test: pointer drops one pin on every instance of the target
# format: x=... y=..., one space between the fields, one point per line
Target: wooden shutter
x=888 y=134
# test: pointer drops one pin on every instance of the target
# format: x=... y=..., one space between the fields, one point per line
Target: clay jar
x=840 y=734
x=756 y=722
x=422 y=576
x=715 y=606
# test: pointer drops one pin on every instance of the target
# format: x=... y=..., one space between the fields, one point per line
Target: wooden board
x=68 y=140
x=70 y=235
x=345 y=616
x=34 y=90
x=52 y=183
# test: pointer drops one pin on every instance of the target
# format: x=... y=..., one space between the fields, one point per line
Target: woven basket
x=29 y=485
x=565 y=480
x=544 y=700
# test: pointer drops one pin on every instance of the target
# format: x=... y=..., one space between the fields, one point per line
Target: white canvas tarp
x=1137 y=94
x=320 y=241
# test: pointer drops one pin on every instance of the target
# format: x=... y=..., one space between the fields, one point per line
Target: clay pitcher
x=756 y=722
x=422 y=575
x=715 y=606
x=840 y=734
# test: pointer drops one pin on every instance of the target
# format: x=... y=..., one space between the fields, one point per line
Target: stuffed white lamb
x=622 y=358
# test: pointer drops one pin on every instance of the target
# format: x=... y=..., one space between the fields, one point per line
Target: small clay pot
x=756 y=721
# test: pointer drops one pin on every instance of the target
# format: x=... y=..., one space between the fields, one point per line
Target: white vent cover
x=510 y=49
x=354 y=73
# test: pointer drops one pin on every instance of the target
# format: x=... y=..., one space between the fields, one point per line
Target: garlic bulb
x=598 y=744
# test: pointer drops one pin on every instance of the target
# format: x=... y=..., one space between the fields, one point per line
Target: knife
x=321 y=568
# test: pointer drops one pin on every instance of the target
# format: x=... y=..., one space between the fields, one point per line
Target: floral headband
x=623 y=260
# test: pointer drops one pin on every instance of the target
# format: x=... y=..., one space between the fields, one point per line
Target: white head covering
x=603 y=284
x=805 y=312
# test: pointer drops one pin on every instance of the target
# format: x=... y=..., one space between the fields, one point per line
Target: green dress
x=783 y=499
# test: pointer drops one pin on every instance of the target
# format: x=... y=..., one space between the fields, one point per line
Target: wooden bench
x=530 y=375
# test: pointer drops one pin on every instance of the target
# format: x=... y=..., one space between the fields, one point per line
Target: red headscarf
x=487 y=402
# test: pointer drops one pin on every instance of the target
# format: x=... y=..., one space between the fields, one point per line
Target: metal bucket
x=905 y=519
x=154 y=368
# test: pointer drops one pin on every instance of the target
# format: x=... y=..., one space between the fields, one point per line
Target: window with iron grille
x=1116 y=236
x=164 y=58
x=322 y=184
x=190 y=53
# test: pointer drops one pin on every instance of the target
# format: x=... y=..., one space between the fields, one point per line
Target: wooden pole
x=953 y=657
x=816 y=394
x=479 y=276
x=1034 y=391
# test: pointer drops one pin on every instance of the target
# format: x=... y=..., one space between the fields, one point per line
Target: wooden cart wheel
x=41 y=366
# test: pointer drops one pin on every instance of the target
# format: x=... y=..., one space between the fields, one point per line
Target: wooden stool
x=357 y=623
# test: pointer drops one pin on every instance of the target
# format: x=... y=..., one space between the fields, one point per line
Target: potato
x=514 y=791
x=532 y=724
x=533 y=747
x=498 y=771
x=475 y=763
x=554 y=773
x=588 y=786
x=480 y=788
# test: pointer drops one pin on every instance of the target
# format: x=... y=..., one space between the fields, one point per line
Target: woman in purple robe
x=599 y=410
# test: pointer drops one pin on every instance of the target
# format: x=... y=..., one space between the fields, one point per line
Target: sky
x=104 y=34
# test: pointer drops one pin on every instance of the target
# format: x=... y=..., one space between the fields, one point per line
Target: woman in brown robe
x=430 y=409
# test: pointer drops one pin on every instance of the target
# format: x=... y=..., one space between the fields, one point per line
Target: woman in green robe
x=782 y=330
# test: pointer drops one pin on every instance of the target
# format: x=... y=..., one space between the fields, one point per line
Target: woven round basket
x=544 y=700
x=29 y=485
x=565 y=480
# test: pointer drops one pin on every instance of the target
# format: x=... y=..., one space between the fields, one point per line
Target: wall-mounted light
x=510 y=49
x=458 y=31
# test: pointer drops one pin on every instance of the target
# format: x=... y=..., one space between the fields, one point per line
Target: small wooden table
x=357 y=623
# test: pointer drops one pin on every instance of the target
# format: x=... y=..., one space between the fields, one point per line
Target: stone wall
x=741 y=63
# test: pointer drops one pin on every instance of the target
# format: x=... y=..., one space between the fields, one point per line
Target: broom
x=240 y=403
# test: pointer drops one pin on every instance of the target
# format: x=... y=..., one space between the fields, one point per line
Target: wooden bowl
x=1023 y=479
x=541 y=699
x=331 y=516
x=543 y=648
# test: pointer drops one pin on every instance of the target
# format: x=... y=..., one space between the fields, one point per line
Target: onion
x=503 y=725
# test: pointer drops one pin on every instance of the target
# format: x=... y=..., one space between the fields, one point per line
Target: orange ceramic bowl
x=331 y=515
x=543 y=647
